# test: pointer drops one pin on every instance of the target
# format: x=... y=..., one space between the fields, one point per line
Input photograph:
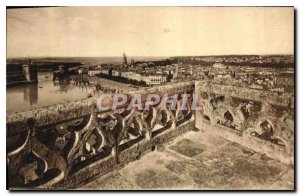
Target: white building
x=94 y=72
x=155 y=79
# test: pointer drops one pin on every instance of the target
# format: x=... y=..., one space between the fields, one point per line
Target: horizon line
x=149 y=56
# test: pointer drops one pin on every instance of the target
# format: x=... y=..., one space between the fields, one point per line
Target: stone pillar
x=30 y=72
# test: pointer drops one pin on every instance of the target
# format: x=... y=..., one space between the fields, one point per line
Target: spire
x=124 y=59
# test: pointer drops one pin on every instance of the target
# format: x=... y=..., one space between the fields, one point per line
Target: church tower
x=176 y=71
x=124 y=59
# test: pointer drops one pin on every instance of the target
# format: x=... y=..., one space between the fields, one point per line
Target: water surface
x=45 y=92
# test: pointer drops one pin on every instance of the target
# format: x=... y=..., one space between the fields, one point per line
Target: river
x=45 y=92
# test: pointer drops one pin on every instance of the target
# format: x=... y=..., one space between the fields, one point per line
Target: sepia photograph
x=150 y=98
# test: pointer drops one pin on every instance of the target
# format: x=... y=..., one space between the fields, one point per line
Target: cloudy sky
x=151 y=31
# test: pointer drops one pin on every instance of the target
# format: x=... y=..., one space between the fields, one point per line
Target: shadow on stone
x=187 y=148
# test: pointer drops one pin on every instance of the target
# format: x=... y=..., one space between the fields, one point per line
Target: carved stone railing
x=260 y=120
x=65 y=144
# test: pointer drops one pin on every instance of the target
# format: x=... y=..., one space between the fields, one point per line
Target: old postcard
x=150 y=98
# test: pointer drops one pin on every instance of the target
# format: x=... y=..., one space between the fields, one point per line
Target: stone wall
x=63 y=145
x=260 y=120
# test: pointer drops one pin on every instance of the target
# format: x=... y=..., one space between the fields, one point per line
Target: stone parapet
x=63 y=145
x=257 y=119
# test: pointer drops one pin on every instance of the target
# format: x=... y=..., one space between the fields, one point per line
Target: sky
x=149 y=31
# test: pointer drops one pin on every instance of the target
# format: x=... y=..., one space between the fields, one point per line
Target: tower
x=176 y=71
x=30 y=71
x=124 y=59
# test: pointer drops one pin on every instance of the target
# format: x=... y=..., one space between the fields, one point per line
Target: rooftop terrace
x=73 y=145
x=198 y=160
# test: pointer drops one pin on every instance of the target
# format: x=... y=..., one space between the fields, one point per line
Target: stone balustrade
x=260 y=120
x=64 y=145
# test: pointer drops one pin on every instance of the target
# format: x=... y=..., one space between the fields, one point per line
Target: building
x=155 y=79
x=150 y=78
x=284 y=80
x=94 y=72
x=219 y=66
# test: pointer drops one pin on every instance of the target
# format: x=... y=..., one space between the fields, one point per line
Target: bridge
x=65 y=145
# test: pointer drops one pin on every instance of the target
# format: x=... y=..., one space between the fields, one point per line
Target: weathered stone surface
x=113 y=181
x=257 y=119
x=148 y=166
x=103 y=166
x=187 y=148
x=150 y=173
x=164 y=180
x=49 y=114
x=285 y=182
x=210 y=142
x=228 y=150
x=227 y=166
x=261 y=146
x=52 y=137
x=223 y=165
x=88 y=142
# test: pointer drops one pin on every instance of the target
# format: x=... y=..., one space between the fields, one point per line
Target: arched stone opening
x=228 y=117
